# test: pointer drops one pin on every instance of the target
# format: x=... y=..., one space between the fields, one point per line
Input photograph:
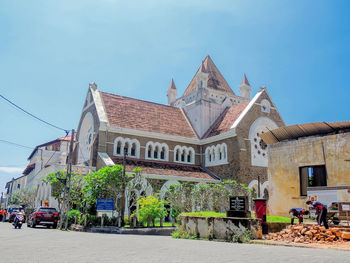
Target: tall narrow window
x=149 y=154
x=155 y=155
x=162 y=154
x=189 y=158
x=119 y=145
x=177 y=155
x=133 y=150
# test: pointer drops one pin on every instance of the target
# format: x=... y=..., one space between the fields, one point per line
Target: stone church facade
x=206 y=135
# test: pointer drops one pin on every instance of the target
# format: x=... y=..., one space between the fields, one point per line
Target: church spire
x=172 y=92
x=245 y=81
x=244 y=88
x=172 y=84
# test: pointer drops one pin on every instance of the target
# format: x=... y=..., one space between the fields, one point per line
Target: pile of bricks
x=309 y=234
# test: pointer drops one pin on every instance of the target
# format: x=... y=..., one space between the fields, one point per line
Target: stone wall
x=239 y=165
x=224 y=228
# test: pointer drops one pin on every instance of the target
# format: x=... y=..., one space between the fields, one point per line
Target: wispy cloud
x=8 y=169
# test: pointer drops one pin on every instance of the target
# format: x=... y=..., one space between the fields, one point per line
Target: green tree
x=104 y=183
x=15 y=199
x=58 y=184
x=150 y=209
x=28 y=197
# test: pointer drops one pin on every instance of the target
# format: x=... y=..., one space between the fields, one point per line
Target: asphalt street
x=49 y=245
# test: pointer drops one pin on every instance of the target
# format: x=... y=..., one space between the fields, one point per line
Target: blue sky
x=51 y=50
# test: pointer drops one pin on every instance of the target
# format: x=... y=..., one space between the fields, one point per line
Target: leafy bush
x=72 y=214
x=150 y=209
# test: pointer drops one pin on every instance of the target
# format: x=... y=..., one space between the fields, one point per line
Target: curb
x=156 y=231
x=299 y=245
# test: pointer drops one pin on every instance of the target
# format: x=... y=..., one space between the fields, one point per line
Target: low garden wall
x=225 y=228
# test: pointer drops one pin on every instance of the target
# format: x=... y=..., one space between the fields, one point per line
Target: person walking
x=1 y=214
x=4 y=213
x=321 y=212
x=298 y=212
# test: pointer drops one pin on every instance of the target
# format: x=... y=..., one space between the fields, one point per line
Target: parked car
x=46 y=216
x=12 y=214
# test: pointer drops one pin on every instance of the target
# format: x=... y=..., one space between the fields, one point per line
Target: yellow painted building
x=306 y=160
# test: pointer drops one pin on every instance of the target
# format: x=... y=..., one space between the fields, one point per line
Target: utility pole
x=69 y=175
x=122 y=199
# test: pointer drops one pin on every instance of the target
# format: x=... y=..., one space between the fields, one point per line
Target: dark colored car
x=46 y=216
x=12 y=212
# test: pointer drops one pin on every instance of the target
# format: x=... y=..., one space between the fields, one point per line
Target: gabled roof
x=224 y=122
x=146 y=116
x=215 y=79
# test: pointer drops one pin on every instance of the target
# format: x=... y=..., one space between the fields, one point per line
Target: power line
x=32 y=115
x=16 y=144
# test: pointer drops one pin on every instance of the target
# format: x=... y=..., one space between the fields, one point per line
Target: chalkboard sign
x=238 y=203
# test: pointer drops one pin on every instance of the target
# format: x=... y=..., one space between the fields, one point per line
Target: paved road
x=48 y=245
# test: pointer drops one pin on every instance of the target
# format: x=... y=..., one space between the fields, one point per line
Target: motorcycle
x=18 y=221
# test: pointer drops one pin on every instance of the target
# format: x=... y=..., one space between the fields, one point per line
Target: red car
x=46 y=216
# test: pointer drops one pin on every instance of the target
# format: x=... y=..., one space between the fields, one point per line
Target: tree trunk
x=134 y=221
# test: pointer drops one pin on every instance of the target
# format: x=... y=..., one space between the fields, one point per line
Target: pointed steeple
x=215 y=79
x=244 y=88
x=172 y=92
x=245 y=81
x=172 y=84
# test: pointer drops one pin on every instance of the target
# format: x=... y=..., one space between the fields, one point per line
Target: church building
x=207 y=134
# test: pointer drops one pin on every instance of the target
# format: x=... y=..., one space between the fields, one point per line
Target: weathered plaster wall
x=220 y=228
x=285 y=158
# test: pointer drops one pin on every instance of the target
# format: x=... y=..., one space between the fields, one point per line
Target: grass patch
x=205 y=214
x=280 y=219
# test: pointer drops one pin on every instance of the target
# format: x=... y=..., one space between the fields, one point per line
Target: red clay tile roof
x=215 y=81
x=136 y=114
x=224 y=122
x=164 y=168
x=65 y=138
x=29 y=168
